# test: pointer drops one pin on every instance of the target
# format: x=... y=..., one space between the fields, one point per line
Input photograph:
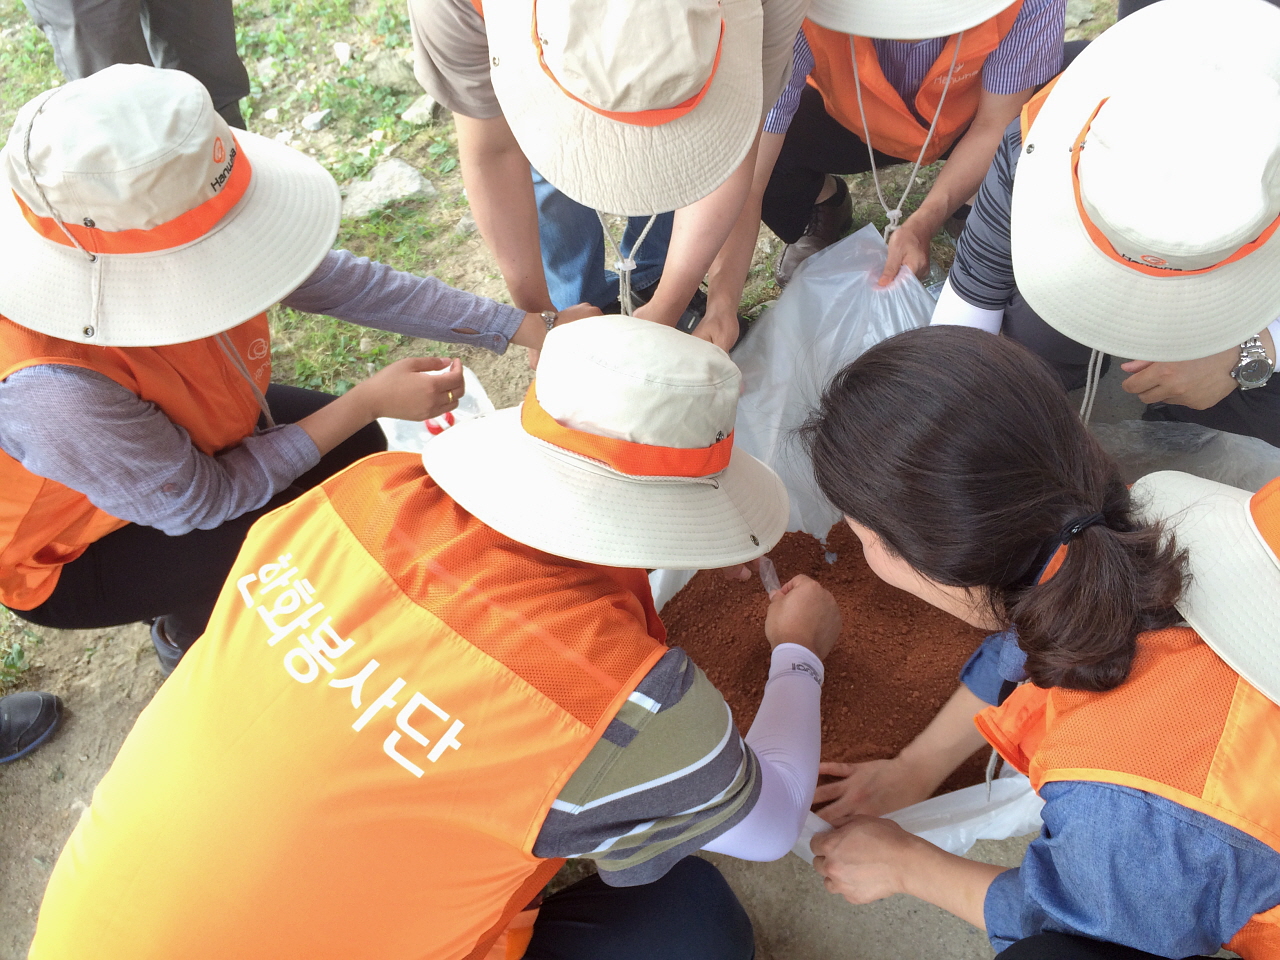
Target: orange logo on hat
x=219 y=152
x=258 y=349
x=1154 y=261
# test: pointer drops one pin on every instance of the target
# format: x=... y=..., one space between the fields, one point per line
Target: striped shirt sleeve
x=779 y=118
x=1031 y=52
x=669 y=775
x=982 y=274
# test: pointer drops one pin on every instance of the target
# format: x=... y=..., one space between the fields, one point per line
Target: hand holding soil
x=805 y=613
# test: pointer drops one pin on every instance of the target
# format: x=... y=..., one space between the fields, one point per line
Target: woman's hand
x=416 y=388
x=873 y=788
x=869 y=859
x=909 y=247
x=803 y=612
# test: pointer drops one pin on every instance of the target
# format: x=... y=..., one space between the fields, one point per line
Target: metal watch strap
x=1253 y=354
x=549 y=317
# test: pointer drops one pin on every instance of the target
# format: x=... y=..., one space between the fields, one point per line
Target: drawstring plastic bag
x=831 y=313
x=1144 y=447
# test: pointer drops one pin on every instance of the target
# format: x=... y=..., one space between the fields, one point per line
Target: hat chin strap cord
x=895 y=215
x=624 y=265
x=229 y=348
x=1091 y=383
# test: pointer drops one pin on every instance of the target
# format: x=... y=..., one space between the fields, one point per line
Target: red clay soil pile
x=896 y=664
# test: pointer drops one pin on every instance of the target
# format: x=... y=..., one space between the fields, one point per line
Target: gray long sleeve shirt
x=87 y=432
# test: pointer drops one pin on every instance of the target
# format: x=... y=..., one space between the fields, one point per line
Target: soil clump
x=897 y=661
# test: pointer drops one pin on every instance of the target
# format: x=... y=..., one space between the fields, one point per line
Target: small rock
x=267 y=69
x=272 y=114
x=466 y=226
x=314 y=121
x=391 y=180
x=391 y=71
x=1078 y=11
x=284 y=136
x=366 y=344
x=342 y=51
x=423 y=110
x=377 y=135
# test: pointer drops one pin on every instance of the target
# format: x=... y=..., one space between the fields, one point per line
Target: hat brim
x=1233 y=598
x=1081 y=291
x=260 y=252
x=575 y=508
x=895 y=20
x=620 y=167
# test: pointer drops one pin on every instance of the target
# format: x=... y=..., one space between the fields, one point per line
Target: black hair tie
x=1074 y=528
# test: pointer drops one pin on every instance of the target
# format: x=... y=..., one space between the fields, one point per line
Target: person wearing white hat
x=142 y=241
x=425 y=684
x=1135 y=680
x=1096 y=235
x=867 y=91
x=638 y=109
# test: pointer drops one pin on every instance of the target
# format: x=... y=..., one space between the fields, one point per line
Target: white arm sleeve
x=955 y=310
x=786 y=737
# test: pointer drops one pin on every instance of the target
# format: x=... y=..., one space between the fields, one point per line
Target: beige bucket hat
x=903 y=19
x=630 y=108
x=1129 y=234
x=131 y=215
x=621 y=454
x=1233 y=540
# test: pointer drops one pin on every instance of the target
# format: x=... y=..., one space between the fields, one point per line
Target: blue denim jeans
x=573 y=249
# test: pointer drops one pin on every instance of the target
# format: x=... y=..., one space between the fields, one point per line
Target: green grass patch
x=26 y=62
x=17 y=644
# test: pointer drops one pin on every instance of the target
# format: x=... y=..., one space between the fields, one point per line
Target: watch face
x=1255 y=371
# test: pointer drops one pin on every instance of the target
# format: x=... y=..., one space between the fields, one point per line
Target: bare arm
x=872 y=858
x=729 y=271
x=882 y=786
x=500 y=190
x=959 y=180
x=697 y=236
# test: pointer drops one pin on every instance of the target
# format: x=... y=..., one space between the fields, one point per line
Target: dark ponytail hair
x=961 y=452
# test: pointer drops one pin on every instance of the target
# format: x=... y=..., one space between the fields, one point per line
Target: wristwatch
x=1254 y=368
x=549 y=317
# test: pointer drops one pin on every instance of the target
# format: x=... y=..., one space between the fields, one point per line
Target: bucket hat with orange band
x=903 y=19
x=623 y=450
x=634 y=108
x=1129 y=233
x=132 y=216
x=1232 y=538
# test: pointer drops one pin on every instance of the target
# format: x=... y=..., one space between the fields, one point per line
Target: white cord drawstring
x=895 y=214
x=49 y=207
x=1091 y=382
x=624 y=265
x=229 y=348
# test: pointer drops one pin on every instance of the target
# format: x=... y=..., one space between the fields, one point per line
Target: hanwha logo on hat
x=258 y=349
x=219 y=151
x=1154 y=261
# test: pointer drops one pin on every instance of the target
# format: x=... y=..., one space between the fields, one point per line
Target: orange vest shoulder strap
x=479 y=5
x=1031 y=109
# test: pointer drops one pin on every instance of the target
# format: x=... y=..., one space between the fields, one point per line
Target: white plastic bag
x=1143 y=447
x=832 y=312
x=956 y=820
x=414 y=435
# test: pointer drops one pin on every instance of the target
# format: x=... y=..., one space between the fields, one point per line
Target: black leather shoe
x=827 y=224
x=167 y=652
x=27 y=720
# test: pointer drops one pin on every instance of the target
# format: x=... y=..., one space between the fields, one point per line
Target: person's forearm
x=955 y=884
x=960 y=176
x=339 y=419
x=786 y=737
x=728 y=274
x=500 y=190
x=697 y=236
x=948 y=740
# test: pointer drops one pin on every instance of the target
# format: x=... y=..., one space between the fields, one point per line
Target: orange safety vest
x=894 y=128
x=44 y=524
x=356 y=758
x=1184 y=726
x=1031 y=109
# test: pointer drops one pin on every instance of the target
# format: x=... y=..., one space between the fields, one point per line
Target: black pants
x=138 y=573
x=817 y=144
x=1061 y=946
x=690 y=914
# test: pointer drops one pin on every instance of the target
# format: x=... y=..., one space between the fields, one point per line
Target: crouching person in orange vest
x=1145 y=621
x=867 y=91
x=421 y=689
x=140 y=433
